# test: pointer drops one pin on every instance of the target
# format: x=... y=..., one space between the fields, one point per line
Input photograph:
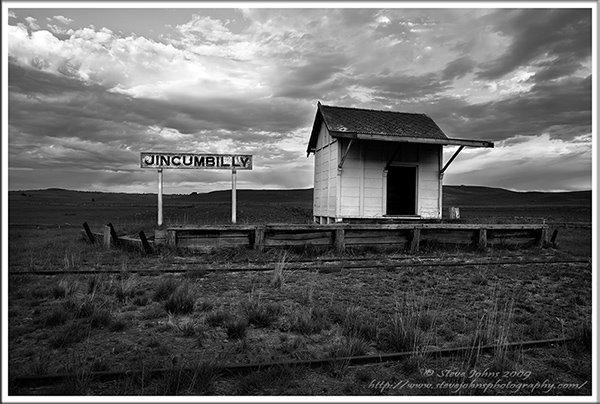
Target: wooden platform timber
x=408 y=236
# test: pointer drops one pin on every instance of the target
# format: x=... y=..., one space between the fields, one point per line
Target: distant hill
x=463 y=195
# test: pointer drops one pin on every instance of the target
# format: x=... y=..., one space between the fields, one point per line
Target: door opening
x=401 y=191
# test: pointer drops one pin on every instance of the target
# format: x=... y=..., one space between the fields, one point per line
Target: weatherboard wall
x=364 y=179
x=325 y=186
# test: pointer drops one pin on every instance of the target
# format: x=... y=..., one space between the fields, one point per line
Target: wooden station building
x=378 y=164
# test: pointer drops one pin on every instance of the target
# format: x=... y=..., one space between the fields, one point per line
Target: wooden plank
x=171 y=239
x=409 y=226
x=113 y=235
x=145 y=243
x=160 y=236
x=372 y=233
x=415 y=239
x=106 y=237
x=299 y=236
x=192 y=243
x=493 y=234
x=214 y=242
x=322 y=241
x=340 y=243
x=482 y=239
x=362 y=226
x=213 y=227
x=259 y=238
x=220 y=234
x=377 y=241
x=88 y=232
x=449 y=236
x=512 y=241
x=543 y=238
x=553 y=238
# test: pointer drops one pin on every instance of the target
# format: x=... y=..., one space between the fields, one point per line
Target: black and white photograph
x=299 y=201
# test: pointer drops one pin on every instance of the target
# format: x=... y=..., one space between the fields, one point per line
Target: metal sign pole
x=160 y=202
x=233 y=195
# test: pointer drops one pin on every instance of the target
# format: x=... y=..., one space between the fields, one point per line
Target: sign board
x=191 y=160
x=231 y=162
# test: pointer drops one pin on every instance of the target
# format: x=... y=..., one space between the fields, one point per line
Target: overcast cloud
x=89 y=89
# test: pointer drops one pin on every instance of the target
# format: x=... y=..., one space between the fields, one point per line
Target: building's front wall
x=326 y=173
x=363 y=178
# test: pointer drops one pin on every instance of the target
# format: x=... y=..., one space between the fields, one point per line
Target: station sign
x=199 y=161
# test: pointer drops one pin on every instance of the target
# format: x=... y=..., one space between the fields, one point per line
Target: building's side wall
x=363 y=180
x=325 y=187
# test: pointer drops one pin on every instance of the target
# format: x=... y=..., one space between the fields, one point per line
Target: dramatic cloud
x=556 y=34
x=87 y=91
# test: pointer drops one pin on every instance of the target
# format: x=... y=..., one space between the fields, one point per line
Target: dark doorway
x=401 y=190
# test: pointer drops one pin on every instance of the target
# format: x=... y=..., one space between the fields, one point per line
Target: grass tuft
x=218 y=318
x=309 y=321
x=358 y=323
x=101 y=318
x=126 y=289
x=181 y=301
x=65 y=288
x=350 y=346
x=410 y=327
x=58 y=316
x=277 y=279
x=236 y=329
x=164 y=289
x=261 y=314
x=71 y=333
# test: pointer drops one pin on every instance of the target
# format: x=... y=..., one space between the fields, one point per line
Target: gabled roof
x=388 y=126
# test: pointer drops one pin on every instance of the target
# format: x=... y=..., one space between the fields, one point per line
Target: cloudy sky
x=89 y=89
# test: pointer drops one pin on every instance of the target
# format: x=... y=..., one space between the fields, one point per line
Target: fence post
x=259 y=238
x=543 y=237
x=482 y=242
x=106 y=237
x=414 y=242
x=145 y=243
x=340 y=242
x=89 y=233
x=171 y=238
x=113 y=234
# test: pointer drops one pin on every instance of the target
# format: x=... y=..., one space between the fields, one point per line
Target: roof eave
x=405 y=139
x=312 y=142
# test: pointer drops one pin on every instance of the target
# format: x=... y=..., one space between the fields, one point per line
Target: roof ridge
x=373 y=110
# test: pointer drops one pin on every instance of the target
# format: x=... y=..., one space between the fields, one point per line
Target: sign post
x=233 y=196
x=160 y=161
x=160 y=192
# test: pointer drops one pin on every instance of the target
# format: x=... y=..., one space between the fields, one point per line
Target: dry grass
x=236 y=328
x=181 y=300
x=411 y=327
x=259 y=313
x=278 y=277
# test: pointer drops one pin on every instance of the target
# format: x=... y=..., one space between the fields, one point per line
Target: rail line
x=323 y=267
x=240 y=369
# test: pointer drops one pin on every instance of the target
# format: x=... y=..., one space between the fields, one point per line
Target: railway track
x=31 y=381
x=328 y=265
